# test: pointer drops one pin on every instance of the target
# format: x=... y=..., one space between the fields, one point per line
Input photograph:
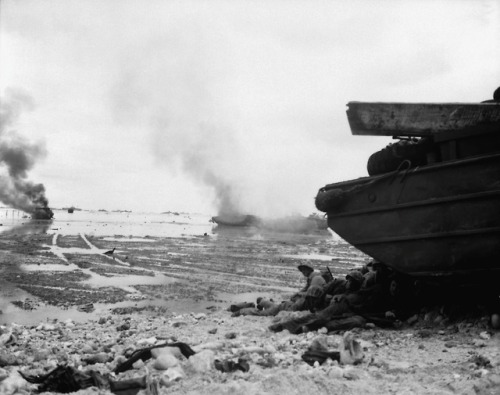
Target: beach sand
x=64 y=302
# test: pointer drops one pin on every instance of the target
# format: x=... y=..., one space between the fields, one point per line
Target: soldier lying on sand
x=315 y=295
x=358 y=301
x=305 y=299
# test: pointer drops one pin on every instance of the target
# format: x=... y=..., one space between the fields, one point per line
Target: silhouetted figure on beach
x=306 y=299
x=111 y=253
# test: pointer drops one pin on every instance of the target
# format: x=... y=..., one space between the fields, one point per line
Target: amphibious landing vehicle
x=430 y=207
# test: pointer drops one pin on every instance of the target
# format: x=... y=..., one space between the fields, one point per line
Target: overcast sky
x=167 y=105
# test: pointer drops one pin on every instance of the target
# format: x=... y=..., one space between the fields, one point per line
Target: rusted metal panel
x=440 y=219
x=422 y=119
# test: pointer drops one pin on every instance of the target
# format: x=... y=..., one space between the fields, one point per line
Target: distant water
x=100 y=223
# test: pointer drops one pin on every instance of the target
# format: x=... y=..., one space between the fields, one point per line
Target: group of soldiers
x=334 y=303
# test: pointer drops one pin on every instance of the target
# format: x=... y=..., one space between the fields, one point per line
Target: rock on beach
x=273 y=357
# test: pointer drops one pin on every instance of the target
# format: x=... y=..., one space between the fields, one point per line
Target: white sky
x=146 y=105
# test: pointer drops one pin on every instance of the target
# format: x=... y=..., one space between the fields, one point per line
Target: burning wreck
x=17 y=158
x=430 y=207
x=292 y=224
x=236 y=220
x=42 y=213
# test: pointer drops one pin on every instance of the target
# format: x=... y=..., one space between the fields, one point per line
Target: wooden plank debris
x=422 y=119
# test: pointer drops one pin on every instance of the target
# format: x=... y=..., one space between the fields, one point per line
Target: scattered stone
x=101 y=357
x=320 y=343
x=172 y=351
x=398 y=366
x=46 y=327
x=175 y=373
x=87 y=308
x=350 y=374
x=7 y=360
x=202 y=361
x=480 y=361
x=479 y=343
x=139 y=364
x=147 y=342
x=484 y=335
x=87 y=349
x=165 y=361
x=123 y=327
x=494 y=379
x=14 y=384
x=208 y=346
x=336 y=372
x=178 y=324
x=41 y=355
x=350 y=349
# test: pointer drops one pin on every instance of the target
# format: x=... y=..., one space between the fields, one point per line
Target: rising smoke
x=197 y=124
x=209 y=103
x=208 y=155
x=18 y=156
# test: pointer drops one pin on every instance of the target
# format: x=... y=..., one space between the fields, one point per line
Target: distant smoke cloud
x=206 y=153
x=191 y=117
x=18 y=156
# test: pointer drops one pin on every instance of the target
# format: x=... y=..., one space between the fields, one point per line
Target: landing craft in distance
x=236 y=220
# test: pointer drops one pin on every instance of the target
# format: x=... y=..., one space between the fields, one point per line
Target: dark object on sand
x=145 y=353
x=228 y=365
x=86 y=308
x=434 y=211
x=236 y=307
x=129 y=386
x=236 y=220
x=110 y=252
x=66 y=379
x=313 y=356
x=70 y=210
x=42 y=213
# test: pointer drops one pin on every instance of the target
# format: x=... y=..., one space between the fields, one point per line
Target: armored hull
x=440 y=218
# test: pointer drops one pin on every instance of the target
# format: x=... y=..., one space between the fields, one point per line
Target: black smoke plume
x=17 y=158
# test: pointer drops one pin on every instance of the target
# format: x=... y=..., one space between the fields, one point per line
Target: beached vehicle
x=430 y=207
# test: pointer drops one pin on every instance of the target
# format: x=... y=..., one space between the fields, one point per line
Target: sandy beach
x=64 y=302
